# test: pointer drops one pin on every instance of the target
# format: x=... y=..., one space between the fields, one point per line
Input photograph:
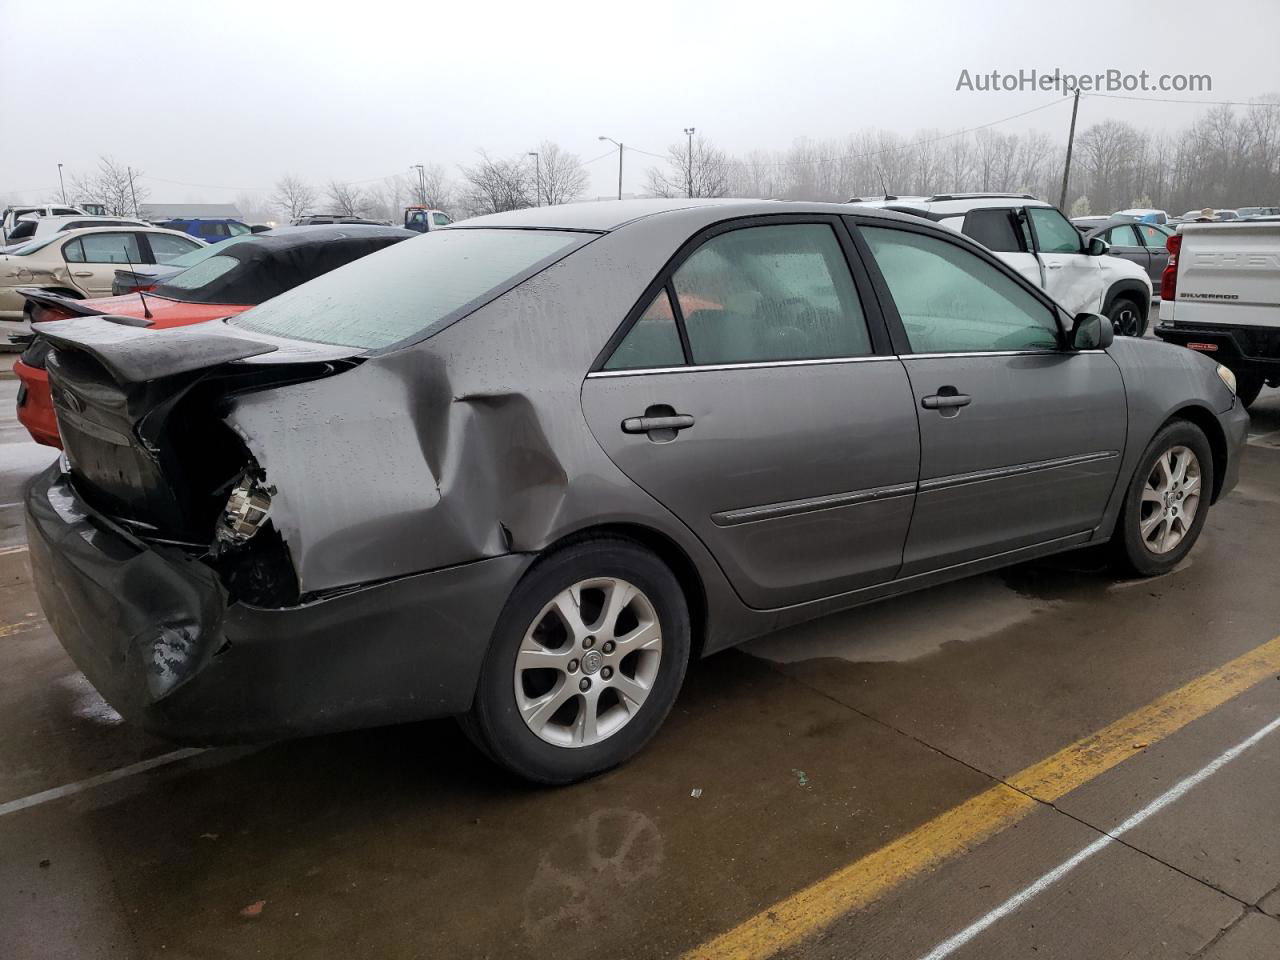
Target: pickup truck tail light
x=1169 y=279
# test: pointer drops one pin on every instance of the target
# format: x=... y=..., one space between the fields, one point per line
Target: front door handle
x=83 y=273
x=946 y=401
x=679 y=421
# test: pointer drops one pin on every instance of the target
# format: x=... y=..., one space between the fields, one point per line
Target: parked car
x=1193 y=216
x=35 y=228
x=12 y=213
x=1140 y=243
x=1040 y=243
x=1251 y=213
x=1220 y=295
x=421 y=219
x=224 y=279
x=325 y=219
x=523 y=470
x=208 y=229
x=80 y=263
x=1143 y=215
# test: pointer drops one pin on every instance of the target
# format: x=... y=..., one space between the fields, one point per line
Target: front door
x=1071 y=276
x=1020 y=437
x=750 y=400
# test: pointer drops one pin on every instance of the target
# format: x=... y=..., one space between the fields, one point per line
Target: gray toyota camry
x=521 y=469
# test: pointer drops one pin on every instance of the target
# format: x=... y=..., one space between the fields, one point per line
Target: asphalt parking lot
x=1042 y=762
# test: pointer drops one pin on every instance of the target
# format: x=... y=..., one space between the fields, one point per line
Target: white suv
x=1035 y=239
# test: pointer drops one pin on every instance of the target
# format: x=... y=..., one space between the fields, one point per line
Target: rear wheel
x=1126 y=317
x=1166 y=502
x=586 y=661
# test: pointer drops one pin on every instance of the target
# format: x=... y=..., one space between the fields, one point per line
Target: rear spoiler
x=133 y=354
x=57 y=301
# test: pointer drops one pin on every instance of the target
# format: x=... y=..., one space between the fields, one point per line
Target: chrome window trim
x=752 y=365
x=986 y=353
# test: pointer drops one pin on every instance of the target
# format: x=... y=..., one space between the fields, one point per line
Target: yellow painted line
x=22 y=626
x=963 y=827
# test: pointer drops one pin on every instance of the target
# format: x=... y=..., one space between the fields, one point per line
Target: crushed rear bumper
x=154 y=632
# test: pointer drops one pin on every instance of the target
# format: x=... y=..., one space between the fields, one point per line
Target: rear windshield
x=205 y=272
x=410 y=290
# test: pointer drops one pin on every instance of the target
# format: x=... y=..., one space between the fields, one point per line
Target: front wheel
x=585 y=663
x=1166 y=502
x=1126 y=318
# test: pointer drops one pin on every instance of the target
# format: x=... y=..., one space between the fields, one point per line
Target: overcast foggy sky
x=232 y=94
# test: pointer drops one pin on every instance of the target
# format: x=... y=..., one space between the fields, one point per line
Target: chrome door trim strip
x=791 y=508
x=1018 y=469
x=754 y=365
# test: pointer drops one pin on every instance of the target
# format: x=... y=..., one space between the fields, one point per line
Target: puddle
x=909 y=627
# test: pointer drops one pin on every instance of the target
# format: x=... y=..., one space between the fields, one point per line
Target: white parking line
x=80 y=786
x=950 y=945
x=5 y=551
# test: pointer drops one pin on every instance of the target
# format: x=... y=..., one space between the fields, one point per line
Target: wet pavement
x=781 y=764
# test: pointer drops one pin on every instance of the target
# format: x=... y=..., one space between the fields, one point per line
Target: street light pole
x=689 y=132
x=537 y=178
x=62 y=185
x=619 y=146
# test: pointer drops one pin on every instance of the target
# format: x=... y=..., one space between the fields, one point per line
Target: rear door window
x=110 y=248
x=653 y=341
x=779 y=292
x=1152 y=235
x=994 y=229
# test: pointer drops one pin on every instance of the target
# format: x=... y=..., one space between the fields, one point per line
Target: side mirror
x=1098 y=247
x=1091 y=331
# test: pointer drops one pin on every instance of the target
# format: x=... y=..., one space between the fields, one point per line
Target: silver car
x=523 y=468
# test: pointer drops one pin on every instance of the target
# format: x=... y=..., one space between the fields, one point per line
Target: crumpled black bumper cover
x=153 y=632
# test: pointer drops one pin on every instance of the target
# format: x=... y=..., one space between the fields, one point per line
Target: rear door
x=1155 y=239
x=1071 y=276
x=754 y=393
x=1020 y=437
x=92 y=259
x=1126 y=244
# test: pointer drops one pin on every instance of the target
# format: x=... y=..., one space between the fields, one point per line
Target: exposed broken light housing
x=246 y=511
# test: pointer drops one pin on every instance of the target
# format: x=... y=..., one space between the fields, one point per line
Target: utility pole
x=422 y=182
x=689 y=132
x=132 y=194
x=62 y=185
x=1071 y=136
x=537 y=178
x=619 y=146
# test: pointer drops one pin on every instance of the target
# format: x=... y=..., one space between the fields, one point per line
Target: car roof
x=604 y=216
x=66 y=217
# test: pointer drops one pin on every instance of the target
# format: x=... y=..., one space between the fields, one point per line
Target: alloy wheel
x=1170 y=499
x=1126 y=320
x=588 y=662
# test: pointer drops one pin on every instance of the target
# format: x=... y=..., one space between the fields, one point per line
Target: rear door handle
x=1054 y=266
x=83 y=273
x=946 y=401
x=679 y=421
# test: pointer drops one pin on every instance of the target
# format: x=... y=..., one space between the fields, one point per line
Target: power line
x=1204 y=103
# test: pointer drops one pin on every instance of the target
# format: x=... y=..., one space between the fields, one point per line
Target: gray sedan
x=522 y=469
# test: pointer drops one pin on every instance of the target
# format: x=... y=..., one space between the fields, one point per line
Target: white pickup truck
x=1220 y=295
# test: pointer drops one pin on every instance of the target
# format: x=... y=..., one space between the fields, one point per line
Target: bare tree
x=347 y=199
x=114 y=186
x=493 y=186
x=694 y=169
x=293 y=196
x=561 y=176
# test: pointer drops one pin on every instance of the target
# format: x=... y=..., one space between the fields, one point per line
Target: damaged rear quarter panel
x=467 y=445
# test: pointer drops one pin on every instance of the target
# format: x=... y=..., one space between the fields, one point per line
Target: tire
x=1248 y=386
x=1126 y=317
x=1150 y=496
x=559 y=743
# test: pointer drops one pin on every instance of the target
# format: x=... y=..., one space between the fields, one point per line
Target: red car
x=240 y=274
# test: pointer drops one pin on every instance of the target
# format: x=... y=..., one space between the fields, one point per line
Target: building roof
x=190 y=211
